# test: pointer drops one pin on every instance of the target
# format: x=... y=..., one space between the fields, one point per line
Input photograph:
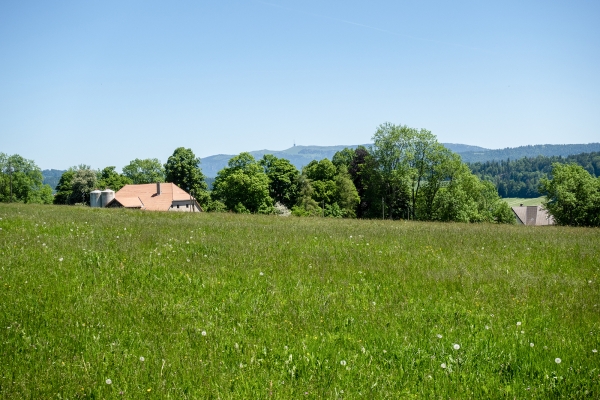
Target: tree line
x=522 y=177
x=405 y=174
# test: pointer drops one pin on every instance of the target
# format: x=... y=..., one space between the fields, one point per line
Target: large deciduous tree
x=572 y=195
x=21 y=180
x=64 y=188
x=183 y=169
x=283 y=179
x=149 y=170
x=243 y=186
x=109 y=178
x=84 y=181
x=330 y=188
x=420 y=179
x=75 y=185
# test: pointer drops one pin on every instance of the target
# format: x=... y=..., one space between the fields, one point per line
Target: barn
x=154 y=197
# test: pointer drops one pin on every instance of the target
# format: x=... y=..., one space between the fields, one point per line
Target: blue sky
x=105 y=82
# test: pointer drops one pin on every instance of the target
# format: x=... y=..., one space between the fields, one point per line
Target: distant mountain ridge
x=515 y=153
x=300 y=156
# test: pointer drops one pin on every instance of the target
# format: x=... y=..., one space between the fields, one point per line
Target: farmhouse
x=155 y=197
x=532 y=215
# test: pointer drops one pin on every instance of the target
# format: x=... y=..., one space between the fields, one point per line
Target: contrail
x=370 y=27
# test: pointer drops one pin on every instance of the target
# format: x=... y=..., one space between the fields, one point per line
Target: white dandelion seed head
x=142 y=359
x=117 y=237
x=456 y=346
x=594 y=351
x=60 y=259
x=365 y=350
x=439 y=336
x=531 y=345
x=522 y=332
x=203 y=333
x=443 y=365
x=557 y=360
x=519 y=323
x=343 y=363
x=487 y=327
x=261 y=274
x=108 y=382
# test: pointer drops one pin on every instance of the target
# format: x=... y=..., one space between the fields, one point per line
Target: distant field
x=514 y=201
x=105 y=303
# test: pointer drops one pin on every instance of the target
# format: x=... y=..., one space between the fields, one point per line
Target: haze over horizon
x=105 y=83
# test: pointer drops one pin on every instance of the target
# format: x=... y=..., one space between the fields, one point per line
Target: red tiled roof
x=146 y=194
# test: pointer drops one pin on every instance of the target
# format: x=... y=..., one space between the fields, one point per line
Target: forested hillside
x=514 y=153
x=521 y=178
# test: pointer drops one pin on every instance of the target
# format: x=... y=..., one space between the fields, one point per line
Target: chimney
x=158 y=188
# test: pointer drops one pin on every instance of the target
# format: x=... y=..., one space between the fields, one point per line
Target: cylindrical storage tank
x=95 y=198
x=107 y=196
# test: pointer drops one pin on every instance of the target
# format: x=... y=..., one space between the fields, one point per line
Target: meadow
x=108 y=304
x=516 y=201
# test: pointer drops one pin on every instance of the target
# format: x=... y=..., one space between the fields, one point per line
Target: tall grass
x=98 y=303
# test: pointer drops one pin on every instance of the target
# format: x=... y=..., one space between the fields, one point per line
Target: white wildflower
x=519 y=323
x=557 y=360
x=261 y=274
x=203 y=333
x=531 y=345
x=108 y=381
x=443 y=365
x=439 y=336
x=456 y=346
x=343 y=363
x=60 y=259
x=142 y=359
x=594 y=351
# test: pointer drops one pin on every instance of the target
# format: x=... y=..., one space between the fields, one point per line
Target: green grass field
x=515 y=201
x=103 y=304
